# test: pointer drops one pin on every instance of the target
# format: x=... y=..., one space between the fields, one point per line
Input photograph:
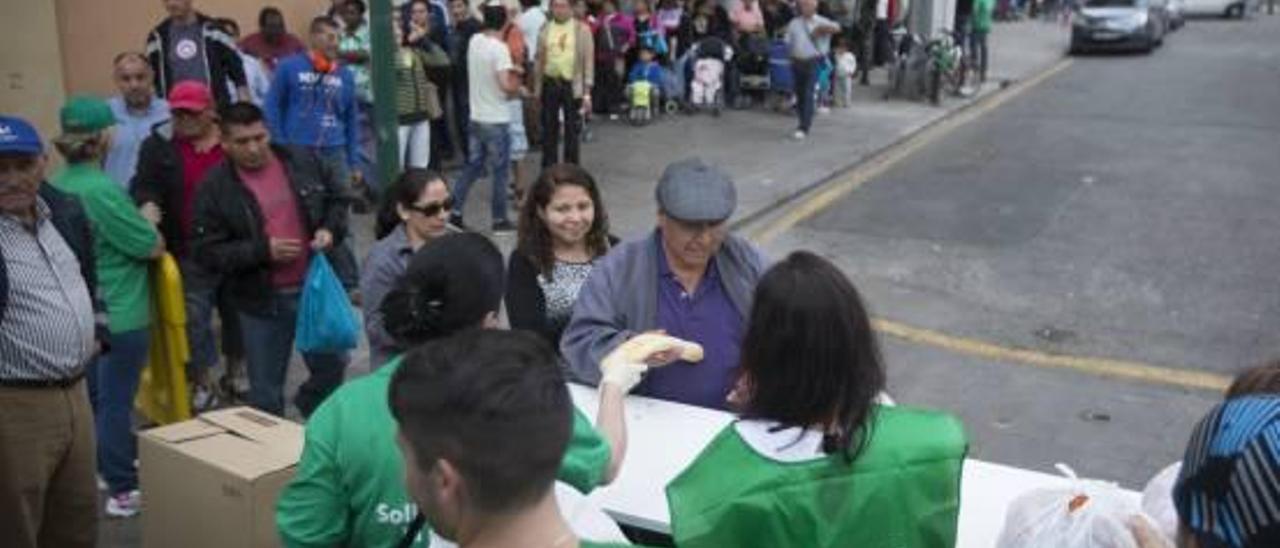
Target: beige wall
x=31 y=85
x=92 y=32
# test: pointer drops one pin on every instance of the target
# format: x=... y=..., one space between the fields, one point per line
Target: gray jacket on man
x=620 y=298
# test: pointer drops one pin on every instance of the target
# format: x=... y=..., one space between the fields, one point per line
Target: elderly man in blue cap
x=47 y=339
x=690 y=278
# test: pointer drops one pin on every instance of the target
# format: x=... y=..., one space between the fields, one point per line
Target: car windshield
x=1110 y=3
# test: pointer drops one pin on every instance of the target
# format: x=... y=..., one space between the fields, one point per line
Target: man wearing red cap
x=172 y=163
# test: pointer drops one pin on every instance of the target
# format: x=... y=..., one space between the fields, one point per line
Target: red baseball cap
x=190 y=95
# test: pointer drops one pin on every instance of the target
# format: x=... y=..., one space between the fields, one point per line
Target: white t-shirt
x=487 y=59
x=531 y=22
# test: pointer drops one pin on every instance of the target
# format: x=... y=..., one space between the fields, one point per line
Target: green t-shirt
x=122 y=245
x=982 y=13
x=349 y=488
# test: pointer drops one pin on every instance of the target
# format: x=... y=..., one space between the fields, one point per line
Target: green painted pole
x=382 y=62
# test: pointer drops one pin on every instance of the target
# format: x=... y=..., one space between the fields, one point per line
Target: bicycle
x=949 y=68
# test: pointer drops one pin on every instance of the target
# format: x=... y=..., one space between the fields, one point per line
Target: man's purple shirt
x=706 y=317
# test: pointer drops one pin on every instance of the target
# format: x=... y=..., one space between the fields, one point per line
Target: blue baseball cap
x=19 y=136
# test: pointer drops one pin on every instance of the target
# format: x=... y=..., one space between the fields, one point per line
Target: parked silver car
x=1119 y=24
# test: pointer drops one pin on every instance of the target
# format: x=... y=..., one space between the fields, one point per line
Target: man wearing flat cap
x=689 y=278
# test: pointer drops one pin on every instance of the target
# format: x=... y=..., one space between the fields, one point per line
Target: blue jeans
x=491 y=144
x=268 y=342
x=201 y=294
x=113 y=383
x=805 y=73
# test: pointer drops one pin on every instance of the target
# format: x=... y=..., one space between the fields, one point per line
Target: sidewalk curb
x=763 y=224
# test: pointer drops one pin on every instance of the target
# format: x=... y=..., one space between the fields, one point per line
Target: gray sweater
x=620 y=298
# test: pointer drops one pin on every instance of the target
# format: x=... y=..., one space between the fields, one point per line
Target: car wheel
x=1235 y=11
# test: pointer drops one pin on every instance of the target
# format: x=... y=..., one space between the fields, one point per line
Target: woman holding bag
x=125 y=243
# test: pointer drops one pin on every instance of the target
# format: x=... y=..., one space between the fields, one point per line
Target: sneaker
x=124 y=505
x=203 y=398
x=455 y=219
x=613 y=116
x=503 y=225
x=799 y=135
x=102 y=484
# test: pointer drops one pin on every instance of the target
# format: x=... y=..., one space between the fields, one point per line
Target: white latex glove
x=626 y=365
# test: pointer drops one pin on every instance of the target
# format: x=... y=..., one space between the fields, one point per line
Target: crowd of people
x=465 y=422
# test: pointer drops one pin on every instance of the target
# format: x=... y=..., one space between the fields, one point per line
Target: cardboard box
x=213 y=481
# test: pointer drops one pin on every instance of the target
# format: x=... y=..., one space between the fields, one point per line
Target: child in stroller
x=706 y=89
x=644 y=86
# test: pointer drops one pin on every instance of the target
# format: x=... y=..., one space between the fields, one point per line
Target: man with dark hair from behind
x=493 y=81
x=259 y=217
x=484 y=419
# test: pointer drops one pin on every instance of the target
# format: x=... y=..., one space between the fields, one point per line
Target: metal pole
x=382 y=63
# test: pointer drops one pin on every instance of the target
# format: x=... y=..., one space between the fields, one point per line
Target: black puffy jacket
x=227 y=232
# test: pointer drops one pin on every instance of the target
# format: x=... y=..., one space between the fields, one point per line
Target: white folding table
x=664 y=437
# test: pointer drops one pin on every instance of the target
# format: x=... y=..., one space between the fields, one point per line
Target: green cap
x=85 y=114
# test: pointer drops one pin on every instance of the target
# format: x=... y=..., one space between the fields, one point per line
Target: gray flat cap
x=695 y=191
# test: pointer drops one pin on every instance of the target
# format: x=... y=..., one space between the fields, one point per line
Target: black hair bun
x=451 y=284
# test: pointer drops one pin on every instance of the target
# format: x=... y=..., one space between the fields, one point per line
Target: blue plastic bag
x=326 y=322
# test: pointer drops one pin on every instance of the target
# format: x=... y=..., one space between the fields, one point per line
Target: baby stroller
x=643 y=102
x=753 y=68
x=706 y=89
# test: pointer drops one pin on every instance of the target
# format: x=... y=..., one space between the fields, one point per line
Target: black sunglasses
x=432 y=209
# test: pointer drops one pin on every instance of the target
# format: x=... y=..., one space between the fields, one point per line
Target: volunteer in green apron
x=814 y=459
x=484 y=420
x=349 y=488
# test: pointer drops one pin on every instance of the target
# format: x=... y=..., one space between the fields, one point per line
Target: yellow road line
x=880 y=163
x=1105 y=367
x=885 y=159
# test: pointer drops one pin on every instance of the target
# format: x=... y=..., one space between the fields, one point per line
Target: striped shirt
x=47 y=325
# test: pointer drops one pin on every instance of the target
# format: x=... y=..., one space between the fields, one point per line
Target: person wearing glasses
x=416 y=212
x=690 y=278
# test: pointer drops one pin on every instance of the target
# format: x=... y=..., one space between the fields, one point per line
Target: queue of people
x=478 y=422
x=467 y=424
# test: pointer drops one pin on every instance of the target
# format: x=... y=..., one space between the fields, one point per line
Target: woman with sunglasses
x=563 y=230
x=415 y=211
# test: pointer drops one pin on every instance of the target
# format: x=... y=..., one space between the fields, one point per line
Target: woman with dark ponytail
x=817 y=458
x=349 y=488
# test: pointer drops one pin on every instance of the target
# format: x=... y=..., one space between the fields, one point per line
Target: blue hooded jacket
x=313 y=109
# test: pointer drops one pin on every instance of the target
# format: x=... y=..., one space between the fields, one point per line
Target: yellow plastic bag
x=162 y=394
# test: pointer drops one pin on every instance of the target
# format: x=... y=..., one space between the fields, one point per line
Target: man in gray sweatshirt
x=689 y=278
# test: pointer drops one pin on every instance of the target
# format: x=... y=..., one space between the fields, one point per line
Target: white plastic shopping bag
x=1083 y=514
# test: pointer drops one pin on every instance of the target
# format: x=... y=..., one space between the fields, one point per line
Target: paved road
x=1124 y=208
